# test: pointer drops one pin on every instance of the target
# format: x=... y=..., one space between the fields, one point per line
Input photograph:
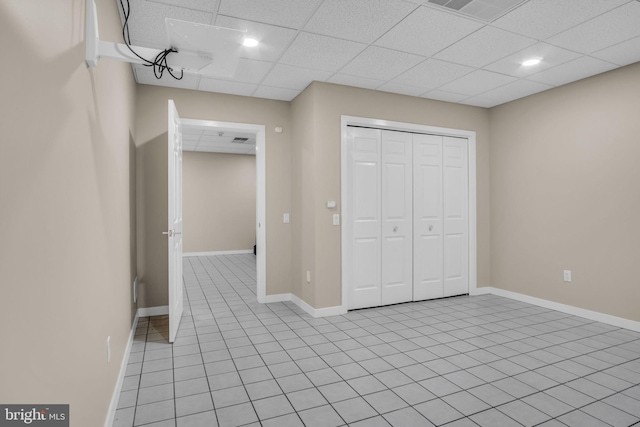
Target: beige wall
x=151 y=137
x=317 y=132
x=218 y=201
x=565 y=194
x=66 y=191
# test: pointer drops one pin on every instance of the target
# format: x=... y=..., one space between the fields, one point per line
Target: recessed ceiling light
x=249 y=42
x=530 y=62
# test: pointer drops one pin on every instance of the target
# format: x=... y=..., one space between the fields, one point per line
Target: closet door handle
x=395 y=229
x=431 y=228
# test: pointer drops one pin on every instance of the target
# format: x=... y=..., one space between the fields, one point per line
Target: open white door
x=174 y=232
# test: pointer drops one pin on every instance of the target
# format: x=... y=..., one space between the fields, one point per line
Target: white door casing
x=364 y=203
x=174 y=233
x=396 y=221
x=427 y=217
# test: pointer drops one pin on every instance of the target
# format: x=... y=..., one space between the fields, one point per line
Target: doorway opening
x=237 y=138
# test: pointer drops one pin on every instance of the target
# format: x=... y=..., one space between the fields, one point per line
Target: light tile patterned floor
x=462 y=361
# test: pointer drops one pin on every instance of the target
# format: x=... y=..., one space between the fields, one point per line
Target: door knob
x=168 y=233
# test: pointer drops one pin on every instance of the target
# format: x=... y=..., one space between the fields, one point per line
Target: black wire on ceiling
x=159 y=64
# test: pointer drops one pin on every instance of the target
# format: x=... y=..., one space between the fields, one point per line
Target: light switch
x=331 y=204
x=336 y=219
x=285 y=218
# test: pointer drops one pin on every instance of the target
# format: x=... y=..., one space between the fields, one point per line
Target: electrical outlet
x=108 y=349
x=308 y=276
x=567 y=275
x=285 y=218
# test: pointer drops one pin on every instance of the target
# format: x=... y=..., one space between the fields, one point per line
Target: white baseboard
x=153 y=311
x=213 y=253
x=123 y=369
x=569 y=309
x=314 y=312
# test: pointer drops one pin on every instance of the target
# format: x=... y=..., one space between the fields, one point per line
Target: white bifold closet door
x=407 y=237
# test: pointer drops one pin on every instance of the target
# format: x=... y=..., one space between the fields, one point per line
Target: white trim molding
x=564 y=308
x=214 y=253
x=153 y=311
x=113 y=406
x=313 y=312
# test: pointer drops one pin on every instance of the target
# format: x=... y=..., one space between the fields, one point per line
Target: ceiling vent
x=239 y=140
x=485 y=10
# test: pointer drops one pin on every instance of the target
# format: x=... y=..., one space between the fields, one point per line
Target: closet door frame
x=404 y=127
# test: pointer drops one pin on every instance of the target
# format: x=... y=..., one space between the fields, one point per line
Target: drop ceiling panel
x=355 y=81
x=549 y=55
x=358 y=20
x=204 y=5
x=432 y=73
x=281 y=94
x=477 y=82
x=226 y=86
x=572 y=71
x=402 y=89
x=288 y=77
x=483 y=47
x=285 y=13
x=441 y=95
x=321 y=52
x=541 y=19
x=412 y=47
x=515 y=90
x=624 y=53
x=147 y=22
x=273 y=40
x=367 y=64
x=613 y=27
x=427 y=31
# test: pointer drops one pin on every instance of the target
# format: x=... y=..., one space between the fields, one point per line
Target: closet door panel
x=427 y=217
x=397 y=234
x=456 y=216
x=364 y=206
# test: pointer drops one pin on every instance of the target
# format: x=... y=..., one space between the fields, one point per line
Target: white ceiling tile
x=606 y=30
x=147 y=22
x=358 y=20
x=288 y=77
x=273 y=40
x=488 y=10
x=355 y=81
x=571 y=71
x=550 y=57
x=624 y=53
x=483 y=47
x=432 y=73
x=478 y=101
x=441 y=95
x=402 y=89
x=515 y=90
x=145 y=75
x=281 y=94
x=320 y=52
x=204 y=5
x=427 y=31
x=380 y=63
x=226 y=86
x=286 y=13
x=541 y=19
x=251 y=71
x=477 y=82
